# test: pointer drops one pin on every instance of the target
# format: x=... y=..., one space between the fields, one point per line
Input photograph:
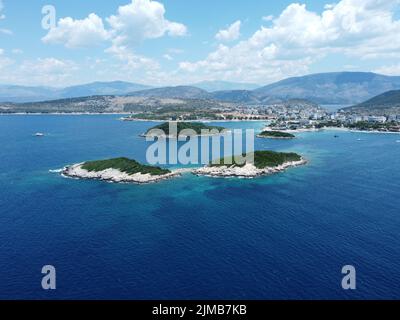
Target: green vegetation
x=197 y=127
x=374 y=126
x=263 y=159
x=385 y=99
x=384 y=104
x=328 y=124
x=277 y=134
x=124 y=165
x=189 y=110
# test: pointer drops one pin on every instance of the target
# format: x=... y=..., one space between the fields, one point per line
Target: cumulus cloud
x=231 y=33
x=132 y=61
x=142 y=19
x=48 y=66
x=43 y=71
x=134 y=22
x=298 y=37
x=78 y=33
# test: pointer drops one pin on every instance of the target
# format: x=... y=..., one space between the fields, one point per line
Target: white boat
x=39 y=134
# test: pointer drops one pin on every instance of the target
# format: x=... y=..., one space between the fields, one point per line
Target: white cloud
x=47 y=65
x=140 y=20
x=231 y=33
x=17 y=51
x=45 y=71
x=134 y=22
x=366 y=29
x=132 y=61
x=78 y=33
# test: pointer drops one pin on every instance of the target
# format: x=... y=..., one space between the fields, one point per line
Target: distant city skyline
x=178 y=42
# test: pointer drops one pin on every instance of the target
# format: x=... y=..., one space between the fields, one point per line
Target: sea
x=285 y=236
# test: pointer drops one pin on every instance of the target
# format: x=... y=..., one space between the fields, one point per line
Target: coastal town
x=293 y=115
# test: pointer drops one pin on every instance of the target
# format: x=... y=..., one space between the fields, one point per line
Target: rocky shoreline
x=249 y=170
x=246 y=171
x=114 y=175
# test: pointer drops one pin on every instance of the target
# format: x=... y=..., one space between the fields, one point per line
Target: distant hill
x=212 y=86
x=182 y=92
x=107 y=104
x=101 y=88
x=19 y=94
x=238 y=96
x=390 y=98
x=340 y=88
x=14 y=93
x=384 y=103
x=331 y=88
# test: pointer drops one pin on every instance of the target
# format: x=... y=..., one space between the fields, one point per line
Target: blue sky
x=171 y=42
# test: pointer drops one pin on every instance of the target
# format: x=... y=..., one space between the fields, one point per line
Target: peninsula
x=275 y=135
x=118 y=170
x=265 y=162
x=191 y=129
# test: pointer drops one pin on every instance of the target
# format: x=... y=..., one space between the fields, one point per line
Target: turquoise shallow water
x=280 y=237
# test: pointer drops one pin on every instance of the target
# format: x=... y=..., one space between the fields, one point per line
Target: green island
x=125 y=165
x=262 y=159
x=276 y=135
x=195 y=126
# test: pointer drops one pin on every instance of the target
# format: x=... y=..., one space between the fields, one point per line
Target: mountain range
x=385 y=103
x=20 y=94
x=347 y=88
x=212 y=86
x=332 y=88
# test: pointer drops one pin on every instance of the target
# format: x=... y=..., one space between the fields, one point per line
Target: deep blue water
x=280 y=237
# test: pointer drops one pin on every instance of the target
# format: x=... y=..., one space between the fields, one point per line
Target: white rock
x=247 y=171
x=115 y=175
